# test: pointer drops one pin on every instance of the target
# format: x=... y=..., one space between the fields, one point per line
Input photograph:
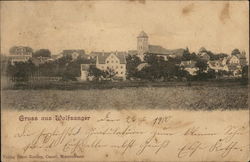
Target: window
x=111 y=56
x=116 y=67
x=102 y=67
x=116 y=61
x=112 y=61
x=107 y=62
x=121 y=67
x=121 y=72
x=116 y=72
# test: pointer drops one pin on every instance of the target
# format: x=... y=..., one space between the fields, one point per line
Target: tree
x=131 y=66
x=21 y=71
x=42 y=53
x=222 y=73
x=202 y=66
x=96 y=73
x=156 y=68
x=151 y=58
x=245 y=72
x=235 y=52
x=109 y=74
x=72 y=67
x=186 y=55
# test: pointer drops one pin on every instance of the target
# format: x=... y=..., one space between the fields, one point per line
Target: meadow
x=198 y=97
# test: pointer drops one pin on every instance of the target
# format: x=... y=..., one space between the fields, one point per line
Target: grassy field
x=173 y=97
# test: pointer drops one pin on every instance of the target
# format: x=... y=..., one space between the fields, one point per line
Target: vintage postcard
x=124 y=81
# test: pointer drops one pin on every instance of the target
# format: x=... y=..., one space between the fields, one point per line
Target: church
x=144 y=47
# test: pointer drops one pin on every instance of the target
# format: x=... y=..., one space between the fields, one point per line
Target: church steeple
x=142 y=44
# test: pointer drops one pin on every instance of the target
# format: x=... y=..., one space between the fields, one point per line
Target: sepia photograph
x=136 y=80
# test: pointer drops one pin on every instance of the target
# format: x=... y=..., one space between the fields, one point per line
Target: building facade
x=20 y=54
x=112 y=61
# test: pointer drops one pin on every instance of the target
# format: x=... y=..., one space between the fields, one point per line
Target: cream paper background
x=16 y=135
x=219 y=26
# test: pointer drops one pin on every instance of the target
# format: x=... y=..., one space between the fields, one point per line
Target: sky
x=114 y=25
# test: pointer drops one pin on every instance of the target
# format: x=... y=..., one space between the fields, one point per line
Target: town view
x=166 y=77
x=148 y=62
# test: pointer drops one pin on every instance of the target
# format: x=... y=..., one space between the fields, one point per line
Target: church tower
x=142 y=44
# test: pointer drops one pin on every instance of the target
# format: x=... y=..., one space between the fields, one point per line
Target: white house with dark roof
x=190 y=66
x=218 y=65
x=144 y=47
x=233 y=60
x=242 y=58
x=114 y=61
x=20 y=54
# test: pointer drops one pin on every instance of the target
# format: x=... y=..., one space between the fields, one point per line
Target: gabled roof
x=142 y=35
x=154 y=49
x=70 y=52
x=102 y=56
x=230 y=57
x=202 y=49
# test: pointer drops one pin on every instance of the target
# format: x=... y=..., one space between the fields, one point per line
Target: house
x=218 y=65
x=114 y=61
x=74 y=53
x=233 y=60
x=242 y=58
x=235 y=63
x=190 y=66
x=203 y=56
x=20 y=54
x=144 y=47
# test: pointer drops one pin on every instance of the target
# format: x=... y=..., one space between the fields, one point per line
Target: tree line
x=152 y=68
